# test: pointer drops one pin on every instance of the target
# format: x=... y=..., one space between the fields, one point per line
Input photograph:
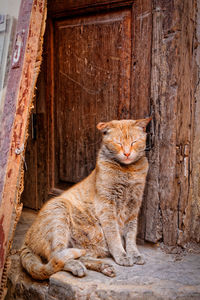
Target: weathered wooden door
x=91 y=65
x=92 y=71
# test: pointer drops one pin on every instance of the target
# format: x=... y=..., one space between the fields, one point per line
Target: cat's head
x=124 y=140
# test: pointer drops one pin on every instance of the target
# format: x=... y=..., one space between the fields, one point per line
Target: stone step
x=164 y=276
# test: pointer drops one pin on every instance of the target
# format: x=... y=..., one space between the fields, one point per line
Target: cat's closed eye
x=133 y=142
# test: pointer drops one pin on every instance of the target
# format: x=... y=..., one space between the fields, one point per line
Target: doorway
x=91 y=66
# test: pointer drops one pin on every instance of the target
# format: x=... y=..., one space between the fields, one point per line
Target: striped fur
x=97 y=217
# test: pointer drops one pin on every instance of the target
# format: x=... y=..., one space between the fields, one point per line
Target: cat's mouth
x=127 y=161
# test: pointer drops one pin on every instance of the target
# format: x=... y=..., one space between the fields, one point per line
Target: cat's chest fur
x=121 y=188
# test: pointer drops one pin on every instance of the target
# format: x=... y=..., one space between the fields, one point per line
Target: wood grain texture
x=172 y=105
x=93 y=85
x=188 y=133
x=141 y=75
x=141 y=58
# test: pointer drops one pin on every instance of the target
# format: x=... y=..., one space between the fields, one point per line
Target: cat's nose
x=127 y=154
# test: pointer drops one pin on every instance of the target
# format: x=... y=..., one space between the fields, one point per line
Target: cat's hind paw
x=76 y=267
x=108 y=270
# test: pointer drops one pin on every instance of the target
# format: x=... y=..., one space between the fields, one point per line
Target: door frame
x=25 y=66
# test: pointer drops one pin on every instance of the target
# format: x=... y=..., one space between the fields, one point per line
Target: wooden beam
x=172 y=89
x=20 y=89
x=57 y=8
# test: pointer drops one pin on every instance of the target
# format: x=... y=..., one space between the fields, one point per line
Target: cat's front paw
x=139 y=260
x=124 y=260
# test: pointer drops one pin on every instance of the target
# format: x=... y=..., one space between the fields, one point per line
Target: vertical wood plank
x=48 y=108
x=161 y=218
x=141 y=58
x=188 y=213
x=141 y=76
x=191 y=218
x=172 y=94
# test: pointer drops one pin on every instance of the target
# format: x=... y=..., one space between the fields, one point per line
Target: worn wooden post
x=189 y=215
x=173 y=83
x=20 y=89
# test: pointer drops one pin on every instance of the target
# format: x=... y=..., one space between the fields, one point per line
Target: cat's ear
x=103 y=126
x=143 y=123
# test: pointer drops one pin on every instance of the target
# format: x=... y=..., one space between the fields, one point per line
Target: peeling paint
x=9 y=173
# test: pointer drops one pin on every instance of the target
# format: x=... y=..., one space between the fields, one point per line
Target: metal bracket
x=18 y=49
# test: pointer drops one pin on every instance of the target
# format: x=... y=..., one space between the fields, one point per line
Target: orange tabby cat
x=97 y=217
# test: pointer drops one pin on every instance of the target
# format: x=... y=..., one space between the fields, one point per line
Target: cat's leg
x=98 y=265
x=63 y=256
x=64 y=259
x=108 y=220
x=130 y=242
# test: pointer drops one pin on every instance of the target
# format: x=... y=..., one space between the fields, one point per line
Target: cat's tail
x=33 y=264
